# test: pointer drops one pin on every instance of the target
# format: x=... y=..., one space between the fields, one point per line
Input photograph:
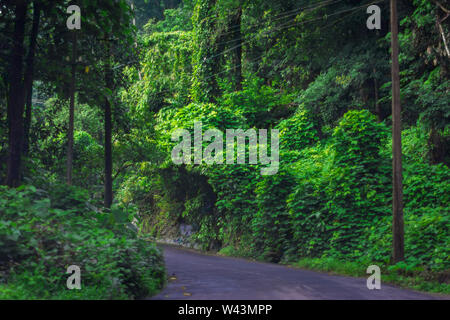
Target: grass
x=401 y=276
x=421 y=281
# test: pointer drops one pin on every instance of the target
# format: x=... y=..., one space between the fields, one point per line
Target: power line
x=286 y=14
x=254 y=36
x=288 y=26
x=283 y=26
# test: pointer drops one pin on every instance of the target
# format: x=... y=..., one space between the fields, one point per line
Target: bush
x=271 y=225
x=307 y=204
x=297 y=132
x=427 y=240
x=426 y=185
x=234 y=187
x=260 y=104
x=357 y=139
x=38 y=241
x=359 y=185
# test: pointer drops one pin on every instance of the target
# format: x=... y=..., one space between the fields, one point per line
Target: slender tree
x=108 y=127
x=397 y=177
x=29 y=73
x=237 y=54
x=206 y=61
x=71 y=109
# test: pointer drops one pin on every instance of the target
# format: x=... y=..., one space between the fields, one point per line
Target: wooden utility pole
x=397 y=176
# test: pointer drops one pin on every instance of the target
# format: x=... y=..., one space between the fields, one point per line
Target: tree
x=237 y=54
x=115 y=33
x=29 y=73
x=206 y=60
x=397 y=176
x=71 y=109
x=16 y=96
x=109 y=85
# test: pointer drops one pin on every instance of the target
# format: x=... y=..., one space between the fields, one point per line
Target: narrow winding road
x=205 y=277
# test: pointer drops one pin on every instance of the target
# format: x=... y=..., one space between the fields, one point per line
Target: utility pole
x=397 y=176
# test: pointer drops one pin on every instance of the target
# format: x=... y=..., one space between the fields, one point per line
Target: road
x=207 y=277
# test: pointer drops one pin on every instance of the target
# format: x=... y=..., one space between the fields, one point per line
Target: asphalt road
x=206 y=277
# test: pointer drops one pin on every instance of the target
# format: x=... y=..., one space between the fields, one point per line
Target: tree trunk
x=437 y=146
x=207 y=58
x=377 y=104
x=16 y=99
x=29 y=74
x=71 y=110
x=397 y=196
x=237 y=54
x=108 y=134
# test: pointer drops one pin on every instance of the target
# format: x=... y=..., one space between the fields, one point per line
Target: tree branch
x=441 y=6
x=123 y=167
x=443 y=38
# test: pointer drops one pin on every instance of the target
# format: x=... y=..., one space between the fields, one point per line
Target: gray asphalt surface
x=206 y=277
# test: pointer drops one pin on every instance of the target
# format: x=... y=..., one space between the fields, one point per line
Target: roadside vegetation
x=86 y=119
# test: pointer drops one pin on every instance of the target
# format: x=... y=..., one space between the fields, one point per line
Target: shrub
x=271 y=225
x=358 y=190
x=307 y=204
x=427 y=240
x=38 y=241
x=297 y=132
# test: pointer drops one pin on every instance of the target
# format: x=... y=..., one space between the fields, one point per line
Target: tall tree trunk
x=397 y=176
x=16 y=99
x=207 y=58
x=29 y=74
x=237 y=54
x=71 y=111
x=377 y=104
x=108 y=133
x=437 y=146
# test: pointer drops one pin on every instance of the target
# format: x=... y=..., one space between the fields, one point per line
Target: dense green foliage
x=45 y=225
x=42 y=234
x=331 y=197
x=310 y=69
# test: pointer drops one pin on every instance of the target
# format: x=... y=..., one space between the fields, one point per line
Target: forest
x=92 y=92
